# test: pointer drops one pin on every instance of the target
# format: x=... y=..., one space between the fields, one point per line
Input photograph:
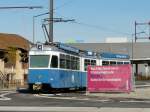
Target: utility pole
x=135 y=31
x=48 y=21
x=51 y=21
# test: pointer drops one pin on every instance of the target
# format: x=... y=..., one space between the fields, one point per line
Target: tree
x=10 y=56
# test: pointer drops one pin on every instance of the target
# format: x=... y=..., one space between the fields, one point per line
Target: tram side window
x=126 y=62
x=73 y=65
x=78 y=64
x=93 y=62
x=54 y=62
x=105 y=62
x=86 y=63
x=68 y=62
x=119 y=63
x=62 y=61
x=112 y=63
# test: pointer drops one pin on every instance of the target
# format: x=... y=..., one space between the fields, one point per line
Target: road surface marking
x=72 y=98
x=87 y=99
x=3 y=96
x=134 y=101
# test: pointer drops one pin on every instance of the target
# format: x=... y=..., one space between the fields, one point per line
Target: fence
x=12 y=84
x=8 y=82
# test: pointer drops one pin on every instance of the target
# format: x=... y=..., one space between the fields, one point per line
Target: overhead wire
x=106 y=29
x=98 y=27
x=64 y=4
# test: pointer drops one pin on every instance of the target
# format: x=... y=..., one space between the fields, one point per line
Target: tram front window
x=39 y=61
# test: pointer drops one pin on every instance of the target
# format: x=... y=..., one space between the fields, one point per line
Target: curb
x=142 y=86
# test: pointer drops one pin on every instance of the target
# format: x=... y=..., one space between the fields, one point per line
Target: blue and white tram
x=60 y=67
x=107 y=58
x=55 y=67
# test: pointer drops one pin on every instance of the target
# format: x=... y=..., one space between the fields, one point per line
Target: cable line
x=101 y=28
x=64 y=4
x=106 y=29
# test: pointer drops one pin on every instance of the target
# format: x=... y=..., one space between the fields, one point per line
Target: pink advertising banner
x=109 y=78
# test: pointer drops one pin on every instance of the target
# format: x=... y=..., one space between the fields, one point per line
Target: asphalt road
x=13 y=100
x=23 y=101
x=70 y=100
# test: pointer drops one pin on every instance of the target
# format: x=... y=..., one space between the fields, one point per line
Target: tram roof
x=64 y=48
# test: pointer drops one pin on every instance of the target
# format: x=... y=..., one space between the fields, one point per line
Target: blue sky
x=97 y=19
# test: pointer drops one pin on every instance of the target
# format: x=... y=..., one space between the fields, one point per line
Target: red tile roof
x=13 y=40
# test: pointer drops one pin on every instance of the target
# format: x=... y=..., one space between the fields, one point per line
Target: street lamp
x=23 y=7
x=34 y=23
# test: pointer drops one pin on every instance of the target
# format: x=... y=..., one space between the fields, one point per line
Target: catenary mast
x=51 y=21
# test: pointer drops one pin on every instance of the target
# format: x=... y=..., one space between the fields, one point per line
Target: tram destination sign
x=109 y=78
x=112 y=55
